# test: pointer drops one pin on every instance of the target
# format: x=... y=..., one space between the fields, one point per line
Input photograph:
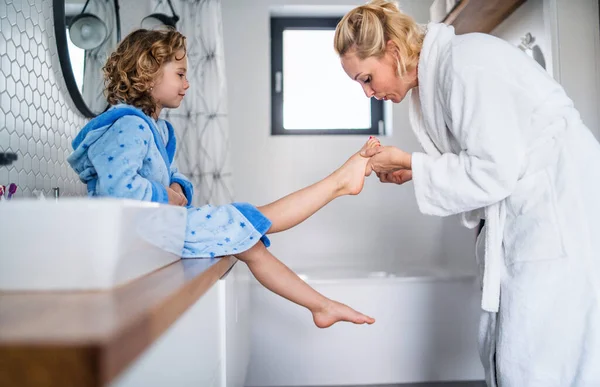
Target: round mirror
x=86 y=31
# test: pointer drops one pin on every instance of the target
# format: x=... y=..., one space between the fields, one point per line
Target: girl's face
x=170 y=89
x=378 y=76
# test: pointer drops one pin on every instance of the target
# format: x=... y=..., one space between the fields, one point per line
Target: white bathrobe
x=504 y=143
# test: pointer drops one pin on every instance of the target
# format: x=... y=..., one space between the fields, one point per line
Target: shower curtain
x=201 y=121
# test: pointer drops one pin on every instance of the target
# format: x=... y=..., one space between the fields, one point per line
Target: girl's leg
x=293 y=209
x=278 y=278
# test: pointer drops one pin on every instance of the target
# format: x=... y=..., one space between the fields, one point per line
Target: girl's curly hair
x=134 y=67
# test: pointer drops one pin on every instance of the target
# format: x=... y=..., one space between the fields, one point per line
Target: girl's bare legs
x=295 y=208
x=278 y=278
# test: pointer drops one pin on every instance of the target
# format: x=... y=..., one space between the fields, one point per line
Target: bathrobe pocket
x=532 y=230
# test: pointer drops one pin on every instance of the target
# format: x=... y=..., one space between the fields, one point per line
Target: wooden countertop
x=87 y=338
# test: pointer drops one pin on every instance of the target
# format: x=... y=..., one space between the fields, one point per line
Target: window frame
x=278 y=25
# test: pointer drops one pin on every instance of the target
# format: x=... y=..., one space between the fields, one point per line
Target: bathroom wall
x=529 y=17
x=37 y=117
x=382 y=227
x=568 y=33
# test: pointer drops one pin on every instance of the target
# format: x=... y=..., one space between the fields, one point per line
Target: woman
x=503 y=143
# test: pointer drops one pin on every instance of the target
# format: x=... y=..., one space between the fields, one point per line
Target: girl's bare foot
x=351 y=175
x=335 y=311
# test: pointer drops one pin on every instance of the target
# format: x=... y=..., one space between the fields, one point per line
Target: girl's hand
x=176 y=195
x=387 y=159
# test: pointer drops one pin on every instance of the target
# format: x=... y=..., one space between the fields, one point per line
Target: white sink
x=85 y=244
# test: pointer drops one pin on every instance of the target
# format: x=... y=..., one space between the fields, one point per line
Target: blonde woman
x=503 y=143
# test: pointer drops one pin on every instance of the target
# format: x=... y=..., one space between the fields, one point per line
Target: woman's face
x=378 y=76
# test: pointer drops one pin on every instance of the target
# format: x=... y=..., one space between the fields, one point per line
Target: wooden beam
x=480 y=15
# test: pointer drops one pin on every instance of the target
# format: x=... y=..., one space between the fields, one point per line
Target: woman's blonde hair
x=133 y=68
x=365 y=31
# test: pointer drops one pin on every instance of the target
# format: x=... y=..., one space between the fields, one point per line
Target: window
x=310 y=92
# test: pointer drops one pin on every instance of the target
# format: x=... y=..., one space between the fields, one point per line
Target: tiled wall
x=37 y=118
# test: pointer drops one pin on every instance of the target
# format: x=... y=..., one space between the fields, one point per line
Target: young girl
x=128 y=152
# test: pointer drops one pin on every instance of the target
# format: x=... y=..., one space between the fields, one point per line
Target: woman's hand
x=399 y=177
x=176 y=195
x=385 y=160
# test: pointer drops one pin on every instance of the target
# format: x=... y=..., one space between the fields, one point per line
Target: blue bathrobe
x=124 y=153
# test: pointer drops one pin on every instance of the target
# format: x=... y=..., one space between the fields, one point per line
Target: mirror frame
x=62 y=48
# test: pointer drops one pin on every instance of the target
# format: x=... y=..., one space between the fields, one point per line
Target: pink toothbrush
x=2 y=190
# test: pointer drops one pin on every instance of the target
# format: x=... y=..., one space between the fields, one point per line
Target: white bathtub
x=426 y=330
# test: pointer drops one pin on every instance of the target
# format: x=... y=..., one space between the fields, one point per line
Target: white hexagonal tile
x=44 y=134
x=20 y=94
x=39 y=150
x=22 y=142
x=11 y=49
x=38 y=36
x=45 y=70
x=39 y=116
x=30 y=147
x=22 y=179
x=29 y=26
x=24 y=74
x=37 y=68
x=35 y=164
x=31 y=180
x=51 y=171
x=10 y=122
x=46 y=184
x=22 y=127
x=14 y=141
x=56 y=138
x=44 y=167
x=6 y=28
x=48 y=121
x=3 y=176
x=5 y=102
x=11 y=88
x=6 y=64
x=14 y=104
x=13 y=176
x=37 y=96
x=20 y=22
x=15 y=68
x=26 y=11
x=48 y=87
x=35 y=128
x=44 y=104
x=27 y=163
x=28 y=94
x=25 y=42
x=16 y=36
x=4 y=140
x=18 y=163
